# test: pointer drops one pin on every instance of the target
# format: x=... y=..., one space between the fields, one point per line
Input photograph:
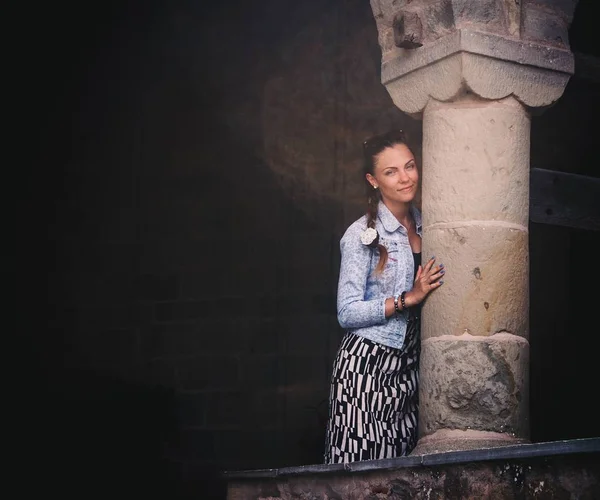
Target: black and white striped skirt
x=373 y=402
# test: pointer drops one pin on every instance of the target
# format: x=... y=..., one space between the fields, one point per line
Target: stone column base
x=473 y=392
x=456 y=440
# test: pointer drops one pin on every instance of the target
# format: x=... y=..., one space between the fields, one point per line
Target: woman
x=374 y=395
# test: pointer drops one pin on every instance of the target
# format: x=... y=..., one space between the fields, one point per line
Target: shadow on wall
x=97 y=437
x=139 y=153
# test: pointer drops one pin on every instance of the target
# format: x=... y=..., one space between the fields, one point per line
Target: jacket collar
x=389 y=221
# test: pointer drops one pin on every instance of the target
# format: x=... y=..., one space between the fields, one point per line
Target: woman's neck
x=401 y=211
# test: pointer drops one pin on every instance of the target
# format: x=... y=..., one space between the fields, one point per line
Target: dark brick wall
x=562 y=307
x=191 y=172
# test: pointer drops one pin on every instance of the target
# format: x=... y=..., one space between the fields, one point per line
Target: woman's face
x=395 y=175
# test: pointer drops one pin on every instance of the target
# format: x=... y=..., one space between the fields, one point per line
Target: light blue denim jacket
x=361 y=293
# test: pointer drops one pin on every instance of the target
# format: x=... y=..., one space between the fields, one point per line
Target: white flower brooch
x=370 y=237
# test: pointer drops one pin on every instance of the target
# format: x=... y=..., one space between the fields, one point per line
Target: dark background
x=189 y=170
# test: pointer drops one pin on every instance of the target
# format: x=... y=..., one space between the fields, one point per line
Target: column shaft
x=474 y=360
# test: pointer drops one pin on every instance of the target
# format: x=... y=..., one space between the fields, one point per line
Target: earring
x=375 y=187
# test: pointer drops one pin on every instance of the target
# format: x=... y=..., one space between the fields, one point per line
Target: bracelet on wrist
x=403 y=300
x=396 y=308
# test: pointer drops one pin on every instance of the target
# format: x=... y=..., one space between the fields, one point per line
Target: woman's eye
x=389 y=172
x=410 y=166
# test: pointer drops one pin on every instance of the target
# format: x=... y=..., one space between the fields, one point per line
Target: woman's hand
x=428 y=278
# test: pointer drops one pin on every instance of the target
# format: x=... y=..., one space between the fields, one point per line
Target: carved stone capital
x=487 y=65
x=492 y=48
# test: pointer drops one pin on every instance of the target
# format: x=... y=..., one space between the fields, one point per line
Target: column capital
x=491 y=48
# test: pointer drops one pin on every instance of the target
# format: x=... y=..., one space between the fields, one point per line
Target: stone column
x=474 y=72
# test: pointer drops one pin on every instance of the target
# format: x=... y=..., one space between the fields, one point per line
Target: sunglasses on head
x=378 y=143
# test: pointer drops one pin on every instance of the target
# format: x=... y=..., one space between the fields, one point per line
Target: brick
x=306 y=277
x=308 y=334
x=221 y=307
x=224 y=272
x=107 y=316
x=180 y=255
x=240 y=447
x=543 y=27
x=122 y=315
x=157 y=287
x=483 y=12
x=306 y=446
x=182 y=311
x=563 y=7
x=192 y=408
x=306 y=407
x=143 y=314
x=90 y=288
x=196 y=444
x=227 y=408
x=98 y=256
x=324 y=303
x=158 y=372
x=112 y=346
x=293 y=303
x=197 y=284
x=170 y=341
x=267 y=337
x=227 y=335
x=306 y=370
x=386 y=40
x=200 y=480
x=208 y=372
x=288 y=304
x=313 y=246
x=218 y=336
x=259 y=276
x=438 y=19
x=262 y=372
x=112 y=222
x=265 y=410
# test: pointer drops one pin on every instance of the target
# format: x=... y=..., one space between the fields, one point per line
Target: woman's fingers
x=437 y=275
x=429 y=277
x=433 y=278
x=429 y=264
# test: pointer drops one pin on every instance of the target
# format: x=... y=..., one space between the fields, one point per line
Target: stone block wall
x=191 y=175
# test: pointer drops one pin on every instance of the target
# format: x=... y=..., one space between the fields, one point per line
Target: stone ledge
x=519 y=451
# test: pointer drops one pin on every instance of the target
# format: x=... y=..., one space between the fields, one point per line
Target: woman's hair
x=371 y=149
